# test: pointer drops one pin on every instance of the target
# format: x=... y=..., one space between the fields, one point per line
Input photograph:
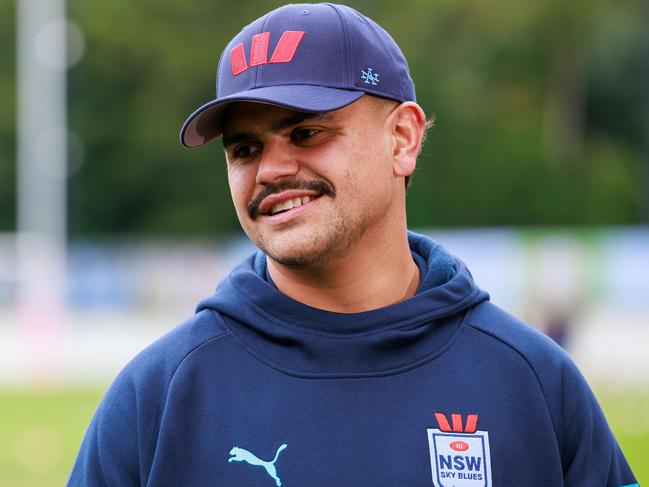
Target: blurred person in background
x=347 y=351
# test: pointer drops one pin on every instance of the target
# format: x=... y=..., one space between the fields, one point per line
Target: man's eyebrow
x=230 y=139
x=281 y=124
x=300 y=117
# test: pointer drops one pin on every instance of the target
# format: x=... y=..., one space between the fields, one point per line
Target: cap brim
x=205 y=124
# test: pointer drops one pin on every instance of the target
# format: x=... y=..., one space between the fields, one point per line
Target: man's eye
x=244 y=151
x=303 y=133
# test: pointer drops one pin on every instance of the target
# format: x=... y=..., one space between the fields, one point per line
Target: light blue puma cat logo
x=241 y=455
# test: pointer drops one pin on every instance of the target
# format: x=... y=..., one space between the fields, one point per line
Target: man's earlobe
x=409 y=126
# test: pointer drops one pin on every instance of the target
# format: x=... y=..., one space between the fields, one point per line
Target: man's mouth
x=276 y=199
x=290 y=204
x=286 y=201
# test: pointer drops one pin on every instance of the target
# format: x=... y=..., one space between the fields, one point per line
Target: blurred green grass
x=40 y=430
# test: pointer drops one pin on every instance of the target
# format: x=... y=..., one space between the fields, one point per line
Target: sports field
x=41 y=431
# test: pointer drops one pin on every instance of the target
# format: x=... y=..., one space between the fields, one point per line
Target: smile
x=279 y=209
x=288 y=201
x=288 y=197
x=289 y=205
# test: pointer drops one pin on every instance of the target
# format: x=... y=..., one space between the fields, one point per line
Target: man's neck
x=360 y=281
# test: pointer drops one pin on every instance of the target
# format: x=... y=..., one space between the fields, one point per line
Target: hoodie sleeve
x=120 y=443
x=590 y=454
x=109 y=454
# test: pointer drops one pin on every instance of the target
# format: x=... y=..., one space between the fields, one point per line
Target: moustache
x=322 y=187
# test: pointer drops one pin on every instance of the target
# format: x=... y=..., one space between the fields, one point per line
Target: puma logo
x=241 y=455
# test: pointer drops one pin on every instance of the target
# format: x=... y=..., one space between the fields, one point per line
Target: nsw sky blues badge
x=459 y=453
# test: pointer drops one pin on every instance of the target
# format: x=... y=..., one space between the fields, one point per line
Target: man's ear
x=408 y=128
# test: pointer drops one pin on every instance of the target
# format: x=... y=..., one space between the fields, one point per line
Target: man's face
x=308 y=188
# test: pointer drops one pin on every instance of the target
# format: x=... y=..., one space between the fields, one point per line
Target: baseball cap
x=306 y=57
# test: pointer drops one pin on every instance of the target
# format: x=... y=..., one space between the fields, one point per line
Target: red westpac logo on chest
x=283 y=53
x=470 y=426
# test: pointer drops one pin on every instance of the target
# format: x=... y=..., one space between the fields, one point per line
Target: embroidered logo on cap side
x=370 y=77
x=459 y=454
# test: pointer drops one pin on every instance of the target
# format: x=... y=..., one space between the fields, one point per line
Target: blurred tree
x=538 y=111
x=7 y=117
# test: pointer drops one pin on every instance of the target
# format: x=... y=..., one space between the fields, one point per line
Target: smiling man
x=323 y=193
x=347 y=351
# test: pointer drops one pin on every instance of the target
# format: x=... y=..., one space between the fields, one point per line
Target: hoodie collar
x=302 y=340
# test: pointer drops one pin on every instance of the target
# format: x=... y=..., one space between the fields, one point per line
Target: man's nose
x=278 y=161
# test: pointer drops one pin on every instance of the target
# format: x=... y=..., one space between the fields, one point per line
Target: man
x=348 y=351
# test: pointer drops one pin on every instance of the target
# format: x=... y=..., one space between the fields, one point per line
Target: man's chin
x=308 y=245
x=295 y=257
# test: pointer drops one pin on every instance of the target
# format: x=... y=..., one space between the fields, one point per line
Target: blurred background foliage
x=542 y=119
x=541 y=108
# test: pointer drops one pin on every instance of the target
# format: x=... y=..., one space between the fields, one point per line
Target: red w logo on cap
x=283 y=53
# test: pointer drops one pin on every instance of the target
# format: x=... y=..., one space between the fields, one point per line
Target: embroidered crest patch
x=459 y=457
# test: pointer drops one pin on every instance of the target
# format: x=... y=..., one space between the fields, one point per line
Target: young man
x=347 y=351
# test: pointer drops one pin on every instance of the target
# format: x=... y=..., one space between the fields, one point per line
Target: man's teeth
x=289 y=204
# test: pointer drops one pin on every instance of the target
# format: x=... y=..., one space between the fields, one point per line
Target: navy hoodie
x=444 y=389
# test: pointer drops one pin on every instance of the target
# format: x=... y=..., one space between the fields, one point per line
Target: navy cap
x=306 y=57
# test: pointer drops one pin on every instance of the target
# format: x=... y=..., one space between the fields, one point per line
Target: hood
x=301 y=340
